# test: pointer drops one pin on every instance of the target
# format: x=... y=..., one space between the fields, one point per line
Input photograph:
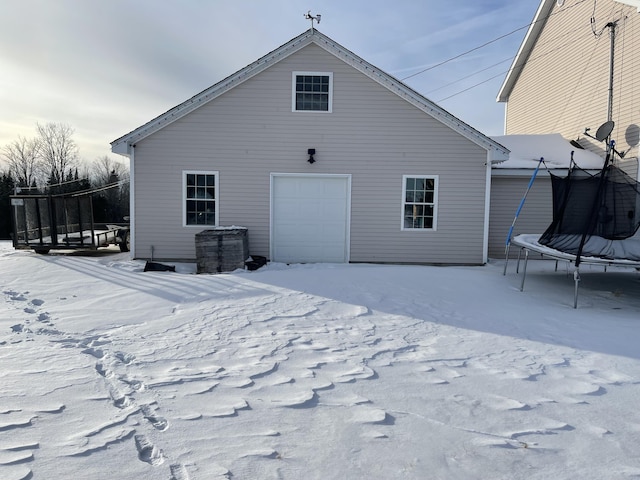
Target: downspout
x=132 y=201
x=487 y=208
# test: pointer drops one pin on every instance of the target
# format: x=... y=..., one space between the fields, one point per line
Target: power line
x=464 y=53
x=486 y=44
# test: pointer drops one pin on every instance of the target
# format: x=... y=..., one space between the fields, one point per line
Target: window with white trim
x=200 y=198
x=419 y=202
x=312 y=92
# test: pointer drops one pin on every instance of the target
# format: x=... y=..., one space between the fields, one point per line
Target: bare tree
x=58 y=150
x=105 y=169
x=22 y=156
x=111 y=204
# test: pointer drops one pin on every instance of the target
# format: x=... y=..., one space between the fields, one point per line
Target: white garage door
x=310 y=218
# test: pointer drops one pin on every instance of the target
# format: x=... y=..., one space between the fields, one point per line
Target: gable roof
x=123 y=144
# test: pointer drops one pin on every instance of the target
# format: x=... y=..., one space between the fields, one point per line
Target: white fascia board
x=524 y=51
x=408 y=94
x=121 y=144
x=396 y=86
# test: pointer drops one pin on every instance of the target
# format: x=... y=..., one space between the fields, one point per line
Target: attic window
x=312 y=91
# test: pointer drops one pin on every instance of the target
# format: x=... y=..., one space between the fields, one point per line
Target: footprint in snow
x=158 y=422
x=178 y=472
x=147 y=451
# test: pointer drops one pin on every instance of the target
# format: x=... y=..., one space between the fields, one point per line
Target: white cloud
x=108 y=67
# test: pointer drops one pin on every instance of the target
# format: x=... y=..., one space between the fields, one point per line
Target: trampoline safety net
x=592 y=212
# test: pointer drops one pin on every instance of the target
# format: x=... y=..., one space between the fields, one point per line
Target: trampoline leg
x=576 y=280
x=506 y=259
x=524 y=269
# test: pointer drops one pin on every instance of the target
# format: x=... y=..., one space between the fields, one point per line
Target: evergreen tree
x=7 y=187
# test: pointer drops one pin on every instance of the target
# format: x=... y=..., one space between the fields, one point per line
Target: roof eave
x=521 y=58
x=122 y=144
x=409 y=94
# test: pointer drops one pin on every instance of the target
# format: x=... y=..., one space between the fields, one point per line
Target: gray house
x=322 y=157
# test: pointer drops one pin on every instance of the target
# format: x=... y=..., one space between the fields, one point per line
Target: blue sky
x=107 y=67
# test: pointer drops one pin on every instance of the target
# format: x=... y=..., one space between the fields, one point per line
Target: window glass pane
x=200 y=201
x=411 y=183
x=312 y=92
x=419 y=203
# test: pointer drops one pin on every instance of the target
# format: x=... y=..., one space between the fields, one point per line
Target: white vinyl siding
x=506 y=194
x=312 y=92
x=250 y=132
x=200 y=198
x=419 y=202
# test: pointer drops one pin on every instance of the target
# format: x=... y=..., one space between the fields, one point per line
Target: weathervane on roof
x=308 y=16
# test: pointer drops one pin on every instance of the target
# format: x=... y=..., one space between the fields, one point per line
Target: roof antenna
x=308 y=16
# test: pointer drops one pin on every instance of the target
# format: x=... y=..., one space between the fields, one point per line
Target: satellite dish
x=560 y=2
x=605 y=130
x=632 y=135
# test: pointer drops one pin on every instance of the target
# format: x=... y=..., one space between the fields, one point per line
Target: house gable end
x=123 y=144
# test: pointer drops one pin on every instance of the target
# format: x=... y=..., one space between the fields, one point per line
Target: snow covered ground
x=315 y=372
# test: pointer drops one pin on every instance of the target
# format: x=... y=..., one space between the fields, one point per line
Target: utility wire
x=487 y=43
x=559 y=47
x=464 y=53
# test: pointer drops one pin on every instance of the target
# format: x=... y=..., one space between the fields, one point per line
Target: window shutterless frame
x=200 y=198
x=312 y=92
x=419 y=203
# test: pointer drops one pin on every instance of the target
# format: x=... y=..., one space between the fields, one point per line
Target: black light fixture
x=311 y=152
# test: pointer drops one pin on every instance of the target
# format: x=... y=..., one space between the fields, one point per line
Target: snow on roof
x=526 y=151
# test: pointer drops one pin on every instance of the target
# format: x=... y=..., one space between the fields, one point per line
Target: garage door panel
x=310 y=218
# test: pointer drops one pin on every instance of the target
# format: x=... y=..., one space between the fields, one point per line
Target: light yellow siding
x=563 y=88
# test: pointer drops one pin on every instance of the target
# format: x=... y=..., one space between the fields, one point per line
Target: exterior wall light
x=311 y=152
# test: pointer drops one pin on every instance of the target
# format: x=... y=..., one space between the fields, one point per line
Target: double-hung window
x=419 y=202
x=200 y=202
x=312 y=92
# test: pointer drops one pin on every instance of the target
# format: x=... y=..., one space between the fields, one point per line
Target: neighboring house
x=395 y=178
x=559 y=80
x=559 y=84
